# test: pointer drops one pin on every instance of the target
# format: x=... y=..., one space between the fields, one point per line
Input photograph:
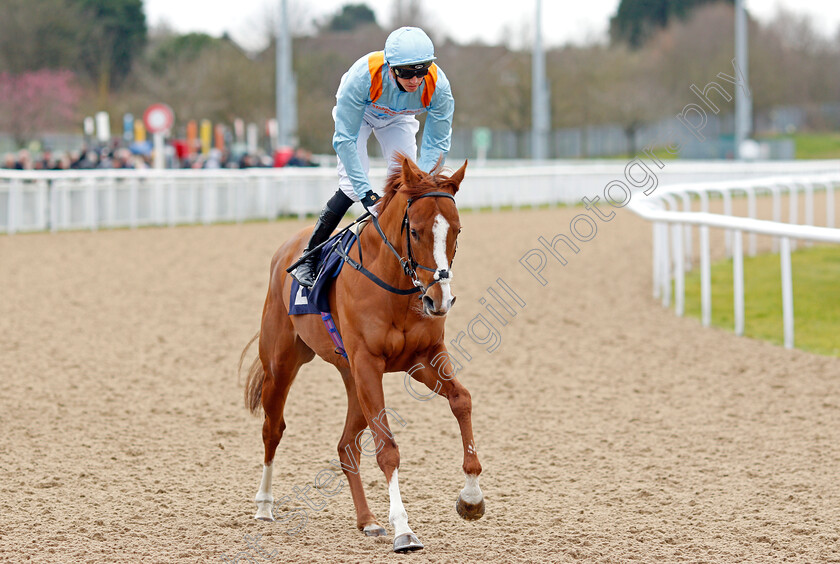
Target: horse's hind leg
x=282 y=354
x=349 y=455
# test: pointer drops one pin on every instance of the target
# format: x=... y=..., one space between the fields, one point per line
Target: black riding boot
x=307 y=271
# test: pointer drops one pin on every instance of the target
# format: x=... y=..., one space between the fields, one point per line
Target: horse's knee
x=346 y=448
x=389 y=455
x=273 y=429
x=460 y=402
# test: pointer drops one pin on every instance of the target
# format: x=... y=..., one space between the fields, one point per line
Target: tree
x=790 y=62
x=351 y=16
x=115 y=36
x=204 y=77
x=575 y=75
x=694 y=51
x=412 y=13
x=262 y=28
x=636 y=20
x=40 y=34
x=502 y=103
x=632 y=98
x=38 y=101
x=179 y=48
x=408 y=12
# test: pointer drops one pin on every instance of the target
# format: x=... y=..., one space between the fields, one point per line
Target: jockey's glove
x=370 y=200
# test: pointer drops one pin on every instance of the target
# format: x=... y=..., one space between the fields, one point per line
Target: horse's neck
x=377 y=256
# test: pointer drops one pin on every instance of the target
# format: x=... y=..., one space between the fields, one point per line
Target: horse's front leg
x=438 y=373
x=367 y=371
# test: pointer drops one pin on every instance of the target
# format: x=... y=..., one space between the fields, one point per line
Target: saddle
x=316 y=299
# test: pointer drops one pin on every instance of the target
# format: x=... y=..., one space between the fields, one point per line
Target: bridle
x=409 y=264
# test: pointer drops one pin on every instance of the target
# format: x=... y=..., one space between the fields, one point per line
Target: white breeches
x=395 y=135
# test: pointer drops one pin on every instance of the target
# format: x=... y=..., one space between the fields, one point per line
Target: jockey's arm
x=351 y=100
x=437 y=133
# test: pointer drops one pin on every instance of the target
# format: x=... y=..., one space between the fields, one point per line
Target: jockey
x=381 y=94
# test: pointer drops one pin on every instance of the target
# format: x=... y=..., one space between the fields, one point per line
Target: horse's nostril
x=429 y=303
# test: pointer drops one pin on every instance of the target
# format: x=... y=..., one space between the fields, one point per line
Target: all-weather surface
x=609 y=429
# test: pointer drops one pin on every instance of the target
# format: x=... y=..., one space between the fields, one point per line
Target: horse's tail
x=254 y=382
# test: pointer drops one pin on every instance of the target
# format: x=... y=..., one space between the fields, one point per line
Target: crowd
x=74 y=160
x=116 y=157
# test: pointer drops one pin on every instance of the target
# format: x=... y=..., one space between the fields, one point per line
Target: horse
x=385 y=328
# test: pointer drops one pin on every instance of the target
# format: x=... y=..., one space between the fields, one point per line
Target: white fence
x=44 y=201
x=673 y=227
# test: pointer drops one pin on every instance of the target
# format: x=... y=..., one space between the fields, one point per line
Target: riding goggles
x=410 y=71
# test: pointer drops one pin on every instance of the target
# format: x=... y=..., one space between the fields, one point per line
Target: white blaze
x=441 y=230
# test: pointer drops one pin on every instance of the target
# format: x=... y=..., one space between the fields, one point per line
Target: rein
x=337 y=236
x=409 y=264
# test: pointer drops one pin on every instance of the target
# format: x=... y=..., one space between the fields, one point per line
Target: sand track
x=609 y=430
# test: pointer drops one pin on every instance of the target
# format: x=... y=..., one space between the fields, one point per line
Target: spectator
x=214 y=159
x=24 y=161
x=248 y=161
x=62 y=163
x=302 y=157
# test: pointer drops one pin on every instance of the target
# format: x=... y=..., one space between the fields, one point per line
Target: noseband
x=409 y=264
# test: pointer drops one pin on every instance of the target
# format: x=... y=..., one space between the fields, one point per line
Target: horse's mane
x=428 y=183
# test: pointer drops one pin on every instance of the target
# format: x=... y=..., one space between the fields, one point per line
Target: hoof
x=407 y=543
x=267 y=519
x=469 y=511
x=374 y=530
x=264 y=512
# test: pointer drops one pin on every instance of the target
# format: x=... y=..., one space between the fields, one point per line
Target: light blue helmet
x=408 y=46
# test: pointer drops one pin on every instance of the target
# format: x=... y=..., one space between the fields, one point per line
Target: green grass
x=816 y=298
x=817 y=145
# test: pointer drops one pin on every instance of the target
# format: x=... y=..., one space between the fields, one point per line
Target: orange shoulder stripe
x=375 y=62
x=430 y=82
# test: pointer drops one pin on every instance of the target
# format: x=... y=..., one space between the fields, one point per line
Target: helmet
x=408 y=45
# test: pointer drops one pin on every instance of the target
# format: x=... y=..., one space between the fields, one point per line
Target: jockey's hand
x=370 y=200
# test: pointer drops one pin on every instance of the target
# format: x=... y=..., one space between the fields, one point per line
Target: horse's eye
x=414 y=233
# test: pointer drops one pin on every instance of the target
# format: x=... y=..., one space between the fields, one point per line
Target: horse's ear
x=458 y=176
x=410 y=172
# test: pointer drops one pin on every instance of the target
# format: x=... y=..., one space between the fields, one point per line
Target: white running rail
x=672 y=232
x=53 y=201
x=95 y=199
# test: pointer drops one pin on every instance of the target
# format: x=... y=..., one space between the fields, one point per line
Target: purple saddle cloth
x=317 y=298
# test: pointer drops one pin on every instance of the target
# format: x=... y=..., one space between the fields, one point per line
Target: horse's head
x=429 y=230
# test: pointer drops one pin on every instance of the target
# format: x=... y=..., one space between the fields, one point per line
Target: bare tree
x=632 y=97
x=219 y=83
x=262 y=27
x=407 y=12
x=412 y=13
x=40 y=34
x=694 y=51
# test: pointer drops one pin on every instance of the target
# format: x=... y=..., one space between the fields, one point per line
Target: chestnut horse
x=385 y=328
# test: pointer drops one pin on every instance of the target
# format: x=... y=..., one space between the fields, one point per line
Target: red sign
x=158 y=118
